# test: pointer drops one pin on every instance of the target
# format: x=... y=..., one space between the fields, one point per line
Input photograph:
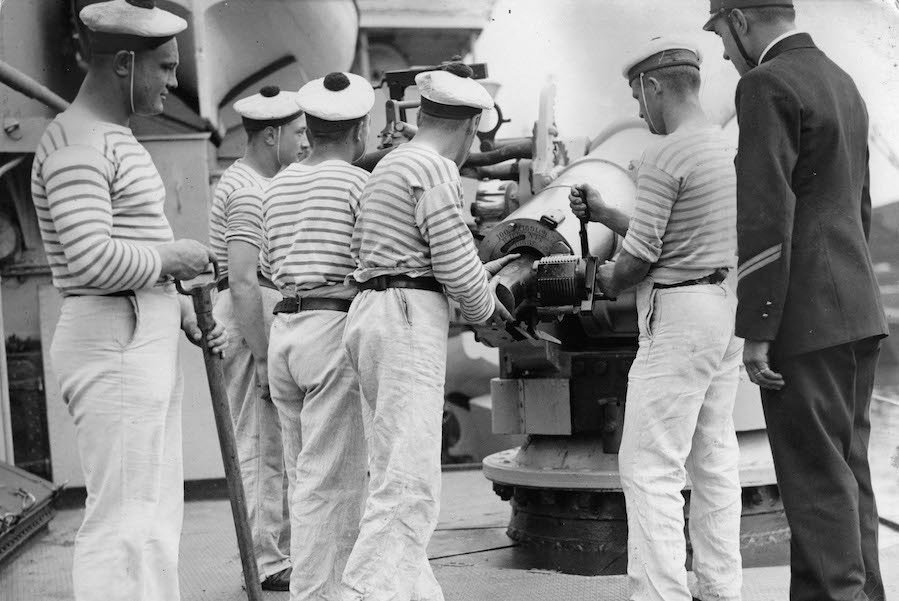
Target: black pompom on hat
x=336 y=81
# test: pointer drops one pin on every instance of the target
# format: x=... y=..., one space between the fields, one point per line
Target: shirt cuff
x=156 y=262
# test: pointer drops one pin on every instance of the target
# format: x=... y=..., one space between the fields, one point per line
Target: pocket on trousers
x=649 y=313
x=126 y=332
x=404 y=305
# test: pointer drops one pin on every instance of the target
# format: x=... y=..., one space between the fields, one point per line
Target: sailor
x=309 y=212
x=678 y=246
x=412 y=250
x=809 y=303
x=274 y=124
x=100 y=202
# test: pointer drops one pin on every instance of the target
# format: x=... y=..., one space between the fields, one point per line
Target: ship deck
x=471 y=555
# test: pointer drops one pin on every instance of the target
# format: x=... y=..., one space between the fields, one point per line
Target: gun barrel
x=30 y=87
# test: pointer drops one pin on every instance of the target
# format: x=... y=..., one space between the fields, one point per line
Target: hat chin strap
x=131 y=88
x=361 y=153
x=278 y=148
x=652 y=126
x=733 y=32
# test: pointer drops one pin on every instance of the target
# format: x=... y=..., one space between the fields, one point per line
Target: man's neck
x=685 y=115
x=262 y=159
x=322 y=152
x=444 y=144
x=98 y=99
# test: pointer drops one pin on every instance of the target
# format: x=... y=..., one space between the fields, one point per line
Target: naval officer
x=809 y=304
x=275 y=127
x=100 y=202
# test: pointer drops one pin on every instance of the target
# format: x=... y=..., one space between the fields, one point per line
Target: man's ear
x=270 y=135
x=738 y=19
x=654 y=85
x=473 y=124
x=122 y=63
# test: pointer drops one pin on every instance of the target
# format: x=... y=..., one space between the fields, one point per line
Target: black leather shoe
x=278 y=582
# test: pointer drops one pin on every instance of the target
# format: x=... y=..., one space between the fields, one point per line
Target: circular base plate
x=578 y=463
x=566 y=497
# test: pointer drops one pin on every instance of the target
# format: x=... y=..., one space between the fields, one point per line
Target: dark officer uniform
x=806 y=284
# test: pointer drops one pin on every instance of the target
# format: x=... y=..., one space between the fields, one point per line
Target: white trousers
x=116 y=360
x=396 y=343
x=679 y=419
x=317 y=395
x=258 y=434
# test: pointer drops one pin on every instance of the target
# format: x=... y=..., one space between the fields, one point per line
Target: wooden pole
x=202 y=301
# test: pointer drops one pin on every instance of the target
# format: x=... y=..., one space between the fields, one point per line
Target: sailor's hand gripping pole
x=201 y=295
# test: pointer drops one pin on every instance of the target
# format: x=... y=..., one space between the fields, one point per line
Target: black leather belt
x=311 y=303
x=383 y=282
x=716 y=277
x=223 y=284
x=120 y=294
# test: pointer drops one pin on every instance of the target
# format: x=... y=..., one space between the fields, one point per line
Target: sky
x=582 y=44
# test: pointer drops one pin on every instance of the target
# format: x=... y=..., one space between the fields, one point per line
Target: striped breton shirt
x=411 y=224
x=685 y=216
x=100 y=206
x=236 y=212
x=308 y=213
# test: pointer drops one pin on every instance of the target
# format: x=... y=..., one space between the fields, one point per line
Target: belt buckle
x=380 y=283
x=299 y=302
x=286 y=305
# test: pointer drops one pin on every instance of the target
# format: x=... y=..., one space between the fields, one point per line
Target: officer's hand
x=501 y=315
x=217 y=340
x=586 y=202
x=755 y=358
x=184 y=259
x=493 y=267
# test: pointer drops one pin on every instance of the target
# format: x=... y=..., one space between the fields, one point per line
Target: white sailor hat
x=337 y=97
x=450 y=93
x=129 y=25
x=661 y=52
x=271 y=107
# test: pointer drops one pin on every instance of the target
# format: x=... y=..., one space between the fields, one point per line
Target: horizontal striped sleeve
x=244 y=216
x=236 y=212
x=656 y=193
x=218 y=222
x=454 y=259
x=80 y=209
